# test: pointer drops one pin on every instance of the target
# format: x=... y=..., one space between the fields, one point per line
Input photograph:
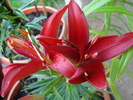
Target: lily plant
x=74 y=57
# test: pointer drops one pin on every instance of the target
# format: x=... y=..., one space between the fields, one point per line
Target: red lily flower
x=86 y=56
x=17 y=71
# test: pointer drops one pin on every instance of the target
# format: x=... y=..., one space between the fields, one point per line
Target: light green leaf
x=68 y=92
x=107 y=9
x=118 y=27
x=58 y=96
x=114 y=90
x=98 y=32
x=124 y=61
x=116 y=30
x=127 y=2
x=95 y=18
x=107 y=21
x=129 y=20
x=114 y=69
x=95 y=4
x=129 y=73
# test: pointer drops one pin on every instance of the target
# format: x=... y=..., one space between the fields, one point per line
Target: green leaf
x=95 y=4
x=114 y=69
x=129 y=73
x=116 y=30
x=124 y=61
x=19 y=13
x=123 y=21
x=118 y=27
x=129 y=20
x=26 y=4
x=57 y=95
x=114 y=90
x=95 y=18
x=85 y=92
x=67 y=92
x=98 y=32
x=107 y=9
x=34 y=25
x=107 y=21
x=127 y=2
x=38 y=19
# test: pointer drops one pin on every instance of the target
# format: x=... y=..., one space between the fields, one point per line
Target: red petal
x=50 y=28
x=111 y=46
x=62 y=65
x=77 y=78
x=51 y=44
x=22 y=47
x=95 y=74
x=78 y=26
x=14 y=72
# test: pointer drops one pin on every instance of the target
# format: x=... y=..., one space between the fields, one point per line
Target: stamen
x=24 y=33
x=86 y=74
x=86 y=56
x=49 y=70
x=95 y=39
x=39 y=55
x=95 y=55
x=35 y=48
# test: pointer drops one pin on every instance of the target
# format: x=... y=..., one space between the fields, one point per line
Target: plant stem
x=51 y=88
x=38 y=14
x=44 y=9
x=107 y=72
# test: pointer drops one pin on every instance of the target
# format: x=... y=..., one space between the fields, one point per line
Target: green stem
x=51 y=88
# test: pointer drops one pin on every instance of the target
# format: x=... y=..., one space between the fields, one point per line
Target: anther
x=86 y=56
x=86 y=74
x=95 y=55
x=95 y=39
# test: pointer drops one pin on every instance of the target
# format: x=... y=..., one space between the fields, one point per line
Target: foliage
x=52 y=3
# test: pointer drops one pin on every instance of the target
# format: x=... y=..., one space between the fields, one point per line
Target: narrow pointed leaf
x=115 y=90
x=58 y=96
x=124 y=61
x=113 y=9
x=94 y=5
x=19 y=13
x=78 y=26
x=34 y=25
x=129 y=73
x=114 y=69
x=98 y=32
